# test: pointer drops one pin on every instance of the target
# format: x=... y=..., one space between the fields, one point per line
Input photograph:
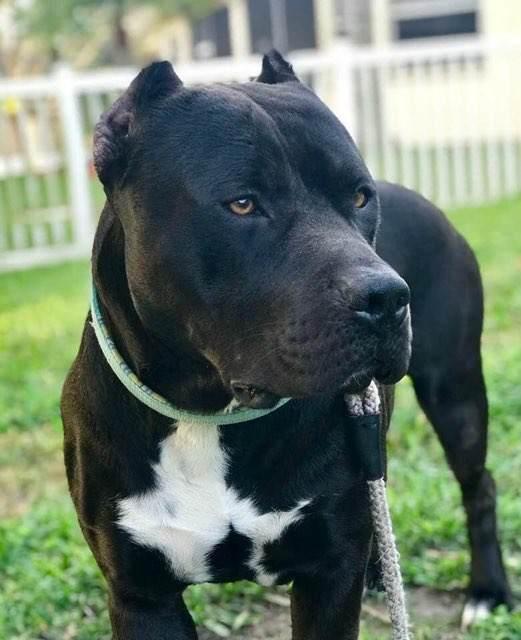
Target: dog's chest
x=192 y=511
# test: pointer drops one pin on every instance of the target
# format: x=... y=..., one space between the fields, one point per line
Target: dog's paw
x=479 y=605
x=474 y=611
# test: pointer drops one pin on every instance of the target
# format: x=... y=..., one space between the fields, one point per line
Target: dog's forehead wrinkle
x=219 y=138
x=234 y=117
x=246 y=138
x=310 y=129
x=224 y=101
x=260 y=113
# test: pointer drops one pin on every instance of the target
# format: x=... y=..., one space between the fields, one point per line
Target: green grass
x=51 y=587
x=40 y=322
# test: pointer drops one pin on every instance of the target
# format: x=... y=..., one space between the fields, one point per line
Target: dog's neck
x=178 y=373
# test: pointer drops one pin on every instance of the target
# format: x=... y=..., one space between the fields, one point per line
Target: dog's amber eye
x=242 y=207
x=361 y=199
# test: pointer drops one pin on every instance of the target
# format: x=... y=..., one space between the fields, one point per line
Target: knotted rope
x=365 y=408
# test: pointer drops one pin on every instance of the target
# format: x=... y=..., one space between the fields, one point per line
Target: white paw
x=474 y=611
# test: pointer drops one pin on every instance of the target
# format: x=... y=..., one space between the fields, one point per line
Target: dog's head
x=249 y=221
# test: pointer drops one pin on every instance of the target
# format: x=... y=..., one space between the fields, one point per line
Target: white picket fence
x=443 y=119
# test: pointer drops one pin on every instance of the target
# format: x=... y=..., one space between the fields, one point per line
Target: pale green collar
x=230 y=415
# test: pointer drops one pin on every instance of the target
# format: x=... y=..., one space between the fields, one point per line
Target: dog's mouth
x=254 y=397
x=324 y=370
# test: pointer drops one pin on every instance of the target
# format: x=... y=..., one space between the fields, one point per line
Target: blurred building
x=238 y=28
x=241 y=27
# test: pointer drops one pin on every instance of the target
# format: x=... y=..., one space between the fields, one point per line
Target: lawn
x=50 y=586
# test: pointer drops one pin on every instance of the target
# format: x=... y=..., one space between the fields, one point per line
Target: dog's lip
x=252 y=396
x=358 y=381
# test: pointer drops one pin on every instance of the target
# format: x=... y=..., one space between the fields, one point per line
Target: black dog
x=234 y=260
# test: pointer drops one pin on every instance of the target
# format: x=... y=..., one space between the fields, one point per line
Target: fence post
x=344 y=87
x=77 y=174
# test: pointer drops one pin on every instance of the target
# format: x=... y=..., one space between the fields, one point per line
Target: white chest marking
x=191 y=508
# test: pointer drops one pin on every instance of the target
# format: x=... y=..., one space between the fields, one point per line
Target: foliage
x=53 y=23
x=503 y=625
x=50 y=20
x=40 y=324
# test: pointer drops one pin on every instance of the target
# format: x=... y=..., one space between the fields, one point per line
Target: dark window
x=300 y=22
x=260 y=25
x=284 y=24
x=212 y=35
x=435 y=26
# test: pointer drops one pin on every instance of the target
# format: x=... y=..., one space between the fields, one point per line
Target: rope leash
x=364 y=408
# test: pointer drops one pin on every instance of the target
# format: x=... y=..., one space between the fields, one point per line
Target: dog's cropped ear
x=276 y=69
x=111 y=134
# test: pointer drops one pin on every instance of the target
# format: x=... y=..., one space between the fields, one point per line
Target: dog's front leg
x=328 y=607
x=137 y=619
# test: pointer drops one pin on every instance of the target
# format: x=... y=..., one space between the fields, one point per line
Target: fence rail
x=442 y=119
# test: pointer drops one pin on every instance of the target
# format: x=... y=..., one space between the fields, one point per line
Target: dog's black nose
x=381 y=296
